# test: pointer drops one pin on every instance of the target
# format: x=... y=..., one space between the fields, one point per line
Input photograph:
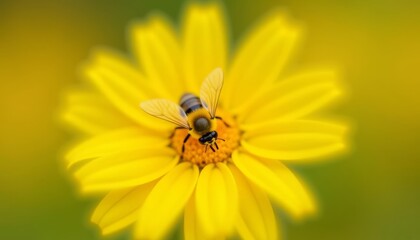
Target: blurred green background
x=370 y=193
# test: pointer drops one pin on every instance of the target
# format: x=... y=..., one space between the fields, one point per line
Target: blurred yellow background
x=370 y=193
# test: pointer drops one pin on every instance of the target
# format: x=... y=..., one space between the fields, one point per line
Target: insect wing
x=166 y=110
x=210 y=91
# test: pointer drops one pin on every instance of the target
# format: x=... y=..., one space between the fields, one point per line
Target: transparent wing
x=210 y=90
x=166 y=110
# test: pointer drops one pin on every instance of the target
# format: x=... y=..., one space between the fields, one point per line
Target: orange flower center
x=202 y=155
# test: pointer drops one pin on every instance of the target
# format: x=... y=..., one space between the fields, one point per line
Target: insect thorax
x=201 y=122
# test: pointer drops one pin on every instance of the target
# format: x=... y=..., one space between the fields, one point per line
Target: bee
x=198 y=115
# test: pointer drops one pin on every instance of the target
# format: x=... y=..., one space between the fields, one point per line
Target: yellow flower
x=135 y=158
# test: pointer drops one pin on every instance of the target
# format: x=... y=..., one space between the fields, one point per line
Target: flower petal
x=192 y=228
x=125 y=169
x=268 y=175
x=92 y=113
x=293 y=98
x=259 y=59
x=124 y=86
x=294 y=140
x=298 y=186
x=104 y=144
x=204 y=43
x=155 y=44
x=256 y=220
x=166 y=201
x=120 y=208
x=216 y=200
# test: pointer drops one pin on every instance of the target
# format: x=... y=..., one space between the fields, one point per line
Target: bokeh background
x=370 y=193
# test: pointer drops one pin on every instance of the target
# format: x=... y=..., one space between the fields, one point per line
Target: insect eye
x=201 y=124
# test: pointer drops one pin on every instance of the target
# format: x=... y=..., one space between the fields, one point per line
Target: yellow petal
x=204 y=42
x=260 y=59
x=155 y=44
x=121 y=140
x=256 y=217
x=166 y=202
x=120 y=208
x=91 y=113
x=125 y=169
x=280 y=188
x=294 y=140
x=124 y=86
x=298 y=186
x=216 y=200
x=192 y=228
x=293 y=98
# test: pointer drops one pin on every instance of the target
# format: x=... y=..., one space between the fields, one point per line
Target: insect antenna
x=221 y=139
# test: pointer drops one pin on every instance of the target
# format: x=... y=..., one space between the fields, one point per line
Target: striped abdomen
x=189 y=102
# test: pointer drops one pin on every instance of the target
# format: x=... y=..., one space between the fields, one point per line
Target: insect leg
x=183 y=144
x=212 y=148
x=173 y=133
x=215 y=143
x=226 y=124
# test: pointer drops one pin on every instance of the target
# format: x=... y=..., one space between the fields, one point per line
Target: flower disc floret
x=196 y=152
